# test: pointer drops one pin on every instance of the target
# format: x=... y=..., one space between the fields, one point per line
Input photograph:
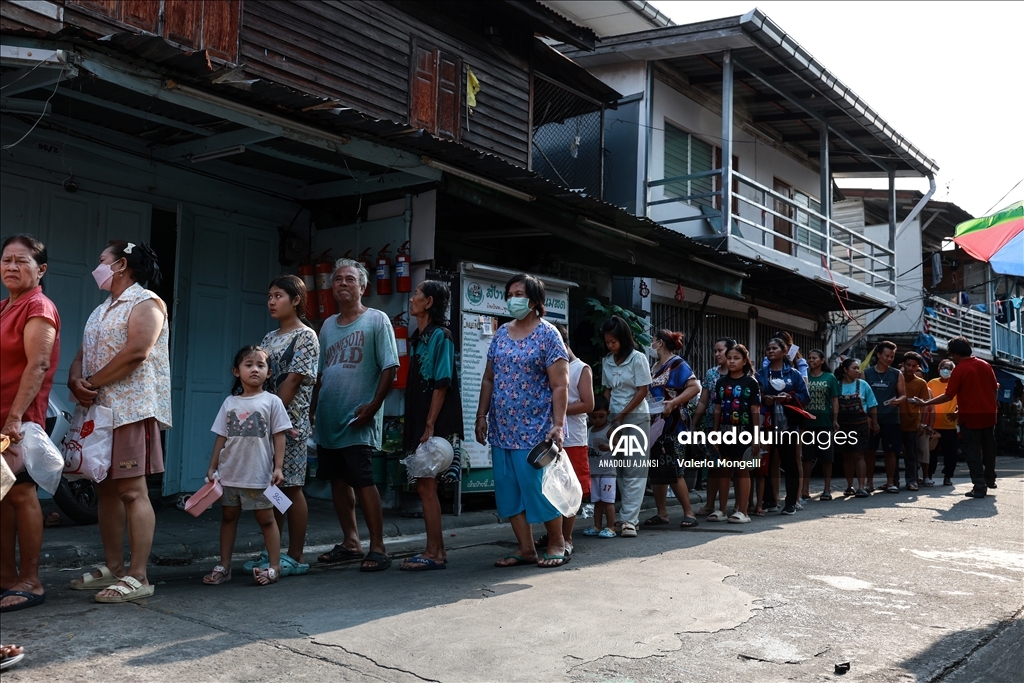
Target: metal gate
x=716 y=325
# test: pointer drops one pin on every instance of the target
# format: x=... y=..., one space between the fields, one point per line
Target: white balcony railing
x=764 y=217
x=1009 y=343
x=947 y=320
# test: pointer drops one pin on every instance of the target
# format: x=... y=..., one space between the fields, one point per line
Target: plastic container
x=202 y=499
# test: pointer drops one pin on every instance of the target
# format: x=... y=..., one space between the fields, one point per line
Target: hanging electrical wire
x=41 y=114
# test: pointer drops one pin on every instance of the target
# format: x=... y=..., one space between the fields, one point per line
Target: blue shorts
x=517 y=487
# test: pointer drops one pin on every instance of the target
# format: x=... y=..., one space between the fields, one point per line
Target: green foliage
x=599 y=313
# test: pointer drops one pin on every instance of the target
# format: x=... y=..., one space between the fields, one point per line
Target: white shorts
x=602 y=489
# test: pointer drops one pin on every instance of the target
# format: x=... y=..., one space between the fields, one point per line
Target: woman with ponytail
x=124 y=365
x=293 y=352
x=673 y=385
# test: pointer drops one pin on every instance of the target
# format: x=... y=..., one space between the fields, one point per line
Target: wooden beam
x=142 y=81
x=344 y=188
x=131 y=111
x=31 y=78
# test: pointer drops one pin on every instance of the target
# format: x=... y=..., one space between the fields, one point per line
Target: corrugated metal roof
x=152 y=54
x=762 y=50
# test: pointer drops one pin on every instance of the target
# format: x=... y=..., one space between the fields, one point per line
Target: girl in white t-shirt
x=247 y=458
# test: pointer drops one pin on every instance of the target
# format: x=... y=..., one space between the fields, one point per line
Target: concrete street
x=922 y=586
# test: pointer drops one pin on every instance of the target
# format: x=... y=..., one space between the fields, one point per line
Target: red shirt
x=973 y=384
x=13 y=361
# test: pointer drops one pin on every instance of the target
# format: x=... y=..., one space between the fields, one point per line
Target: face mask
x=519 y=307
x=778 y=384
x=104 y=276
x=944 y=373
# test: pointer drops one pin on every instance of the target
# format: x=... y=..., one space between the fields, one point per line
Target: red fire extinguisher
x=403 y=269
x=307 y=272
x=364 y=258
x=402 y=338
x=384 y=271
x=326 y=304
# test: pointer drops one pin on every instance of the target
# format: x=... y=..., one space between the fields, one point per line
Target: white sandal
x=88 y=582
x=717 y=516
x=134 y=591
x=738 y=518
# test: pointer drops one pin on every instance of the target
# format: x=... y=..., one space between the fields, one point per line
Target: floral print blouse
x=520 y=411
x=147 y=391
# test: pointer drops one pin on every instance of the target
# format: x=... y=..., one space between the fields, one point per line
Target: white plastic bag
x=88 y=444
x=430 y=459
x=6 y=478
x=42 y=459
x=561 y=487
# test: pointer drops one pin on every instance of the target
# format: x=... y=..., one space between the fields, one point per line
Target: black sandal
x=339 y=554
x=655 y=521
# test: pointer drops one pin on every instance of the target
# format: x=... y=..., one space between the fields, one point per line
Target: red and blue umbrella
x=997 y=239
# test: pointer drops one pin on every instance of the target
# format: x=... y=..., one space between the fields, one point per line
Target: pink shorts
x=136 y=450
x=580 y=465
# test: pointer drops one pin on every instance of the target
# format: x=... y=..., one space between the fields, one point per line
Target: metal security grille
x=568 y=137
x=716 y=325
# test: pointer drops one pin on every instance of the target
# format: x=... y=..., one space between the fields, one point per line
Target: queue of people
x=331 y=386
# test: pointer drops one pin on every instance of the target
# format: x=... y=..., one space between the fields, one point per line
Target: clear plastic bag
x=42 y=459
x=430 y=458
x=561 y=487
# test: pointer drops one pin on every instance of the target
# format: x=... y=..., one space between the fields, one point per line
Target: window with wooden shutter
x=184 y=22
x=210 y=25
x=144 y=14
x=435 y=91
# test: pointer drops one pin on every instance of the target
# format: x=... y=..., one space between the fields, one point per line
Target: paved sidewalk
x=182 y=539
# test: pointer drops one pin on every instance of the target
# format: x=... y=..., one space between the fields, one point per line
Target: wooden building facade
x=241 y=135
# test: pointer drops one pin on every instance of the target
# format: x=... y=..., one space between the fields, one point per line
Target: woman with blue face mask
x=945 y=426
x=523 y=398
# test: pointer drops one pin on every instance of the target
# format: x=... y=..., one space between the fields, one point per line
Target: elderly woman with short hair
x=523 y=397
x=124 y=364
x=29 y=352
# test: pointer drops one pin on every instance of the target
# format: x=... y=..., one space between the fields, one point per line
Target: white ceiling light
x=217 y=154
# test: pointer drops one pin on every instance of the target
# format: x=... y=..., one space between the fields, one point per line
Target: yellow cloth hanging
x=472 y=88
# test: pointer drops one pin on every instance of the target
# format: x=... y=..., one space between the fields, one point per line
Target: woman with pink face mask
x=124 y=364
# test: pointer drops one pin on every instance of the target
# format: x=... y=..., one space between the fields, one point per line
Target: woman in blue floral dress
x=523 y=398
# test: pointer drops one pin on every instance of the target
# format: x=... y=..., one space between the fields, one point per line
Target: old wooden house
x=241 y=136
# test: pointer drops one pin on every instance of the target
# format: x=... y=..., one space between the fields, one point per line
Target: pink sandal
x=265 y=577
x=218 y=576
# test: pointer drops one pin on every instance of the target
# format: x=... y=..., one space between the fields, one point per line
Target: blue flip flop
x=424 y=564
x=31 y=600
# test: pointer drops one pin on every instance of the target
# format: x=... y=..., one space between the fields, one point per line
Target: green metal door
x=230 y=262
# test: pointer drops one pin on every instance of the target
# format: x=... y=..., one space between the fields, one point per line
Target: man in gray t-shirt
x=358 y=359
